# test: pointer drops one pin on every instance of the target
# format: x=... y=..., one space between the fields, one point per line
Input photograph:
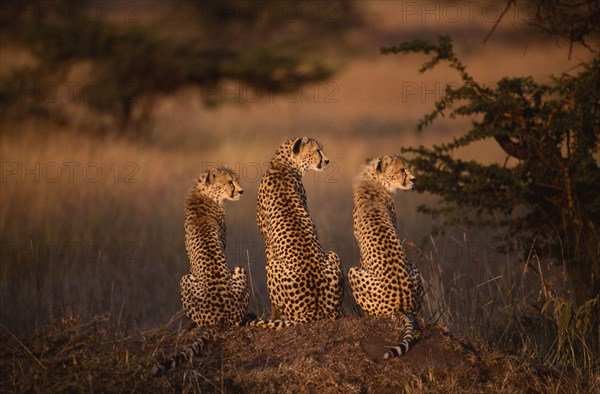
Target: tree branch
x=518 y=151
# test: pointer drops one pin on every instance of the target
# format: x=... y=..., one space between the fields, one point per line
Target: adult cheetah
x=212 y=295
x=304 y=283
x=386 y=284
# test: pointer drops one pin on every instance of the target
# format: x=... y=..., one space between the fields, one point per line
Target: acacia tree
x=551 y=196
x=136 y=56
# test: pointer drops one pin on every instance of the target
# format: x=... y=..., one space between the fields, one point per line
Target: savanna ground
x=92 y=239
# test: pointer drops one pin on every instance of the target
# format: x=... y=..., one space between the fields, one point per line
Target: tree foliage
x=547 y=192
x=136 y=56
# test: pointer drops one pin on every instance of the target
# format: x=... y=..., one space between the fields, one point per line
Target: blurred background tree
x=117 y=58
x=547 y=192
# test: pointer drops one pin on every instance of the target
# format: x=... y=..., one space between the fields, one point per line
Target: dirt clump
x=328 y=356
x=346 y=355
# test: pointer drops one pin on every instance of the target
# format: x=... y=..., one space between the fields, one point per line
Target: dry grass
x=74 y=247
x=113 y=241
x=324 y=356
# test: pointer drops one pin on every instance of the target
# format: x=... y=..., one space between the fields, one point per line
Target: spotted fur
x=304 y=283
x=386 y=284
x=212 y=295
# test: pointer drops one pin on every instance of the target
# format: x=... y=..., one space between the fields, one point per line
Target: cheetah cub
x=212 y=295
x=386 y=284
x=304 y=283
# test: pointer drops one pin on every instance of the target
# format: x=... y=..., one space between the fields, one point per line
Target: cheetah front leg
x=275 y=294
x=367 y=290
x=332 y=291
x=194 y=296
x=290 y=293
x=416 y=288
x=240 y=290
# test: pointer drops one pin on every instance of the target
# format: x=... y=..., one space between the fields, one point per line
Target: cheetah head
x=307 y=154
x=393 y=172
x=220 y=184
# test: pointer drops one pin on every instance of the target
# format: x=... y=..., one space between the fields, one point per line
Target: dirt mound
x=345 y=355
x=338 y=356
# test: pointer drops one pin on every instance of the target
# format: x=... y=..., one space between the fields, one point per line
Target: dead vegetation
x=324 y=356
x=116 y=244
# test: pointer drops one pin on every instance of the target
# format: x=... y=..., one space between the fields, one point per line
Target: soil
x=330 y=356
x=346 y=355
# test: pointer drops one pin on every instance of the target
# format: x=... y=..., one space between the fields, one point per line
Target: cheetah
x=304 y=283
x=212 y=295
x=386 y=284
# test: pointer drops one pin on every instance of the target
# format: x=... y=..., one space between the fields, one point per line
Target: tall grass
x=509 y=300
x=80 y=219
x=80 y=243
x=90 y=224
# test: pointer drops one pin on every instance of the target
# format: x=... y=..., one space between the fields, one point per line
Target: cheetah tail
x=195 y=349
x=269 y=324
x=406 y=323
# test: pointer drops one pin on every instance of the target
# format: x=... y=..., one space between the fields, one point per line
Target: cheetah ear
x=383 y=162
x=300 y=142
x=210 y=177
